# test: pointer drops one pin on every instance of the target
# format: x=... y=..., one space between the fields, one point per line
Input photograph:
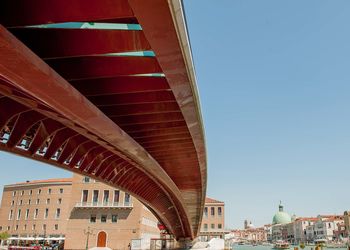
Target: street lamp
x=87 y=233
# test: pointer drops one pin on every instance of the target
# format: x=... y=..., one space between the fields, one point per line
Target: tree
x=4 y=236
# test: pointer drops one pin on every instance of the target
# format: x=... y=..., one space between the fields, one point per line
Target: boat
x=281 y=245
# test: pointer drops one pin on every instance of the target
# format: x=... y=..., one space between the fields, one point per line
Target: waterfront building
x=310 y=233
x=79 y=211
x=325 y=226
x=250 y=235
x=300 y=225
x=213 y=222
x=36 y=209
x=340 y=232
x=268 y=232
x=279 y=220
x=347 y=224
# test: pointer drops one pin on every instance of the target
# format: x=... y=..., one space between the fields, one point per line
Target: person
x=129 y=246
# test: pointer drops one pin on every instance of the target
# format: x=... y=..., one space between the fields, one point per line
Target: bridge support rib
x=42 y=90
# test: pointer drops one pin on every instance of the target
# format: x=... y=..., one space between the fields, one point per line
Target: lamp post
x=87 y=233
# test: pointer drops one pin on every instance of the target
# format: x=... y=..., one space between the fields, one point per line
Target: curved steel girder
x=167 y=35
x=47 y=87
x=16 y=13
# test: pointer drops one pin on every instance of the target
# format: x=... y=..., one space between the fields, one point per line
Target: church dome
x=281 y=217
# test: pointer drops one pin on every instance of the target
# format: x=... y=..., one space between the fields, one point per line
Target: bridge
x=107 y=89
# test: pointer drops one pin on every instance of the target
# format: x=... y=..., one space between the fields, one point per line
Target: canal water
x=250 y=247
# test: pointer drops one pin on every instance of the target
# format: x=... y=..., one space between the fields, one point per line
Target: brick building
x=74 y=210
x=213 y=222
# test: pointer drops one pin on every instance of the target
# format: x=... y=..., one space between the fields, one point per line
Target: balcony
x=109 y=205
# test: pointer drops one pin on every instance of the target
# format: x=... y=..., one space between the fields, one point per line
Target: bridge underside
x=107 y=89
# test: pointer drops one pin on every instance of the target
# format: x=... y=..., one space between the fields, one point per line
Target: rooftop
x=56 y=180
x=210 y=200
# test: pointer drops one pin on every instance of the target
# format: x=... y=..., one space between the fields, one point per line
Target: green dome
x=281 y=217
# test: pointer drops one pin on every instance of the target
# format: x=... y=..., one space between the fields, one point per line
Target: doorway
x=101 y=239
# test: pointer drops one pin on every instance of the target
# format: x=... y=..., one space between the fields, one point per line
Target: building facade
x=251 y=235
x=325 y=226
x=79 y=211
x=347 y=224
x=36 y=209
x=111 y=218
x=213 y=222
x=300 y=228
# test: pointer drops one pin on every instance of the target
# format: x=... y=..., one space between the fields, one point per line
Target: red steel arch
x=129 y=121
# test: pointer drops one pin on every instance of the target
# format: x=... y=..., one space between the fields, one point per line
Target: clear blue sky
x=274 y=80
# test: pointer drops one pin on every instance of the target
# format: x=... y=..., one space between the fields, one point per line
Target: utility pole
x=87 y=233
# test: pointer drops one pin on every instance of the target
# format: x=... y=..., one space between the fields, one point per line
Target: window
x=47 y=201
x=206 y=212
x=30 y=192
x=212 y=226
x=29 y=201
x=12 y=203
x=19 y=214
x=95 y=197
x=103 y=218
x=25 y=227
x=59 y=201
x=14 y=193
x=205 y=227
x=16 y=228
x=114 y=218
x=105 y=196
x=220 y=211
x=44 y=227
x=61 y=190
x=93 y=219
x=116 y=196
x=46 y=213
x=8 y=228
x=33 y=227
x=58 y=213
x=27 y=214
x=10 y=214
x=22 y=192
x=56 y=226
x=85 y=195
x=20 y=202
x=0 y=228
x=219 y=226
x=329 y=225
x=37 y=201
x=127 y=199
x=212 y=211
x=49 y=191
x=39 y=191
x=36 y=213
x=86 y=179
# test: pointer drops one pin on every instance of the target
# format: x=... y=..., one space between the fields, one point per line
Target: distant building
x=281 y=218
x=245 y=224
x=73 y=210
x=347 y=223
x=268 y=232
x=325 y=226
x=300 y=226
x=340 y=232
x=213 y=222
x=311 y=229
x=250 y=234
